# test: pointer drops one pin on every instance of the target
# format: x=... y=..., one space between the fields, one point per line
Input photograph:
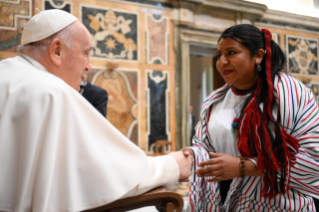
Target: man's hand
x=187 y=151
x=185 y=164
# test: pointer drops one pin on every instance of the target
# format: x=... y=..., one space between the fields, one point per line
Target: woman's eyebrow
x=228 y=48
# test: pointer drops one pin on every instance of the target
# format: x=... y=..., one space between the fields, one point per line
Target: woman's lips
x=227 y=72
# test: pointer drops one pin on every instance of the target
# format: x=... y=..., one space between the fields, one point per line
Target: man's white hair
x=38 y=48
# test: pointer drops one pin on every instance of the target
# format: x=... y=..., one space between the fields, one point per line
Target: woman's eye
x=231 y=52
x=218 y=56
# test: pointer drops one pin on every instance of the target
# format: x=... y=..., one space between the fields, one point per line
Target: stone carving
x=14 y=15
x=157 y=40
x=302 y=55
x=157 y=107
x=114 y=33
x=122 y=107
x=54 y=4
x=314 y=87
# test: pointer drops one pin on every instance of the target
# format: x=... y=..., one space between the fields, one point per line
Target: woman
x=267 y=118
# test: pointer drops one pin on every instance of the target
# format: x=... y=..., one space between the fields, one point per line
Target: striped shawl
x=300 y=118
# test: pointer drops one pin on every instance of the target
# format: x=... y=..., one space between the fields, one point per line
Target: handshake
x=185 y=160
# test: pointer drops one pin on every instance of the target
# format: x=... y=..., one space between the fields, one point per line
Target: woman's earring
x=258 y=68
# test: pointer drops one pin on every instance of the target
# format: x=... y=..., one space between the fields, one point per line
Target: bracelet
x=242 y=167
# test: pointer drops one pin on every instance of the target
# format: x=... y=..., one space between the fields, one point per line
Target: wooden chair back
x=163 y=199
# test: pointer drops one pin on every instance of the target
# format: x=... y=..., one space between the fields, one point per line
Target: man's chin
x=77 y=87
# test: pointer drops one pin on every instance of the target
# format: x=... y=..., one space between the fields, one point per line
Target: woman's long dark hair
x=255 y=139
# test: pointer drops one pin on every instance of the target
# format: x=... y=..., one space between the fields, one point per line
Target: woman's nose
x=223 y=60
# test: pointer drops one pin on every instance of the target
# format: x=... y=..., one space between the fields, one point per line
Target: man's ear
x=259 y=56
x=55 y=51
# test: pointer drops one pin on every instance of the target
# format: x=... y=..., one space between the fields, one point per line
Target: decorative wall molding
x=236 y=6
x=157 y=39
x=241 y=11
x=115 y=33
x=183 y=15
x=122 y=86
x=210 y=22
x=182 y=101
x=62 y=5
x=152 y=4
x=15 y=14
x=290 y=20
x=157 y=101
x=302 y=55
x=196 y=36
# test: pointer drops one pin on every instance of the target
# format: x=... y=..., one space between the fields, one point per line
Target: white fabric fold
x=163 y=173
x=57 y=153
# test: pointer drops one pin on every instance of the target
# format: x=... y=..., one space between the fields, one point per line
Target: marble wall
x=157 y=39
x=157 y=107
x=114 y=32
x=54 y=4
x=14 y=14
x=122 y=107
x=137 y=39
x=302 y=55
x=301 y=49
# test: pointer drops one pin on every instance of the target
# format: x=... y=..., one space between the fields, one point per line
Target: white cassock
x=57 y=153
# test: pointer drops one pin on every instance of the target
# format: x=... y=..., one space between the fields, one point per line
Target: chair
x=162 y=144
x=163 y=199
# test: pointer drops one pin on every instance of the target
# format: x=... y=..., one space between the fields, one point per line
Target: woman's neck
x=242 y=92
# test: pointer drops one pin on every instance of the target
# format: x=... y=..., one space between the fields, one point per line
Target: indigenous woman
x=260 y=132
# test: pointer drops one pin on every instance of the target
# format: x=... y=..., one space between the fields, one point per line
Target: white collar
x=33 y=62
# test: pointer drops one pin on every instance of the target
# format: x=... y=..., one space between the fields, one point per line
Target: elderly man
x=57 y=153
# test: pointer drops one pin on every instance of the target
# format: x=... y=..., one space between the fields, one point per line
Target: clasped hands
x=219 y=166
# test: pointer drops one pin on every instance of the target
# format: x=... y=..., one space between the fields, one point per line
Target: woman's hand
x=220 y=166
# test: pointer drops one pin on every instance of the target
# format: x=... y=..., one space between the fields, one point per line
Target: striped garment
x=299 y=116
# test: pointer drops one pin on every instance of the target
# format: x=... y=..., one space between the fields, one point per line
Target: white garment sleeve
x=163 y=171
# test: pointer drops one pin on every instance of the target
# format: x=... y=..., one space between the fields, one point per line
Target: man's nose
x=88 y=67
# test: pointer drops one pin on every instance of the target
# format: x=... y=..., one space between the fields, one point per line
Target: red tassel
x=268 y=158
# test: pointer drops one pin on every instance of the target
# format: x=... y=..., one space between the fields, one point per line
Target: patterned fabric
x=299 y=116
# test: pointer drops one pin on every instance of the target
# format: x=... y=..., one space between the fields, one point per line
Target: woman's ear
x=259 y=56
x=55 y=49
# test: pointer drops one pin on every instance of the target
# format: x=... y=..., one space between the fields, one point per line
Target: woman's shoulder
x=214 y=97
x=287 y=87
x=217 y=94
x=284 y=81
x=218 y=91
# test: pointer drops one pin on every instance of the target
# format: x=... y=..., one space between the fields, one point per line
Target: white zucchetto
x=45 y=24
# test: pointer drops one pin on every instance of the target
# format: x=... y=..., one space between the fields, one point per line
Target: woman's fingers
x=208 y=169
x=211 y=161
x=210 y=174
x=215 y=179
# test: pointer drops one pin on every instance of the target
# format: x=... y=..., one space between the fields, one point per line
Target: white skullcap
x=45 y=24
